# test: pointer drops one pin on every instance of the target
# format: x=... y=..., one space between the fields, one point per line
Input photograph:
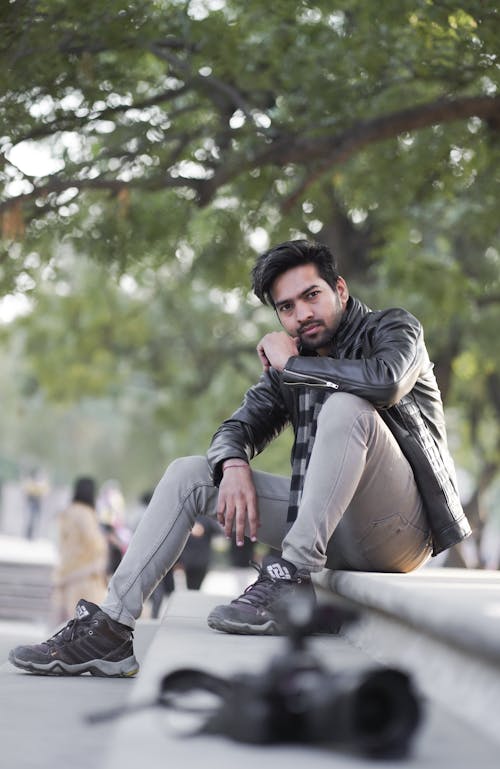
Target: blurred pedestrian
x=111 y=515
x=197 y=555
x=111 y=503
x=35 y=488
x=241 y=556
x=83 y=552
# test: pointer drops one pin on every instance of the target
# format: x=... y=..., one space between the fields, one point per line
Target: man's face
x=308 y=307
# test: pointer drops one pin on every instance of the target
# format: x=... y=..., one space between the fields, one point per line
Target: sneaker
x=91 y=643
x=257 y=610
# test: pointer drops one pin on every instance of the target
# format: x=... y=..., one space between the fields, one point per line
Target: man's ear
x=342 y=291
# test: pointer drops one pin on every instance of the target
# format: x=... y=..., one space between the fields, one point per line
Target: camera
x=297 y=700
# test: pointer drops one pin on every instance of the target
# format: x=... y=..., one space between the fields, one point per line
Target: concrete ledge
x=441 y=624
x=460 y=607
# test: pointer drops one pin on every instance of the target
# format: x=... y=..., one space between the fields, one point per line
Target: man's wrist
x=233 y=463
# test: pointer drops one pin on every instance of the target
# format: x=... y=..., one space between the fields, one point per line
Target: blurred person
x=111 y=514
x=164 y=589
x=489 y=545
x=243 y=559
x=372 y=485
x=115 y=547
x=111 y=503
x=241 y=556
x=35 y=488
x=197 y=554
x=82 y=551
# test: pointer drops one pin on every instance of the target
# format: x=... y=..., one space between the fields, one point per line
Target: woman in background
x=83 y=552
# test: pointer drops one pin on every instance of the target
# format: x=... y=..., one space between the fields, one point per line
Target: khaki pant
x=360 y=509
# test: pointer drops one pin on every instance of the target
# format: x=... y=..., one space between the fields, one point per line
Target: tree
x=153 y=111
x=118 y=379
x=190 y=132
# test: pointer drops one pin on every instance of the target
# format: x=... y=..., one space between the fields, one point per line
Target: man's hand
x=237 y=503
x=275 y=348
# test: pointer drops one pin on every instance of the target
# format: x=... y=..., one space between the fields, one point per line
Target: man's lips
x=311 y=328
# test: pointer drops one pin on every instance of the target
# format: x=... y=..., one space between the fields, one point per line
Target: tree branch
x=328 y=151
x=110 y=185
x=322 y=151
x=331 y=151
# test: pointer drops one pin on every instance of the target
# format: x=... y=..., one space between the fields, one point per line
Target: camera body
x=297 y=700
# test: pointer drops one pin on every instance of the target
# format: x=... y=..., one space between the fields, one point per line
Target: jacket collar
x=354 y=314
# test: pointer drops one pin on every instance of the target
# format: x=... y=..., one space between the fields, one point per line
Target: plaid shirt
x=311 y=400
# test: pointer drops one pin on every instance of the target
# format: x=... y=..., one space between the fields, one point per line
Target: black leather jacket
x=380 y=356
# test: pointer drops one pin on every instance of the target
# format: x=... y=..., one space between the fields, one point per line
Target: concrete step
x=26 y=570
x=441 y=624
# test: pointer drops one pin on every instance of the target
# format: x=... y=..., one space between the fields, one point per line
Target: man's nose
x=303 y=311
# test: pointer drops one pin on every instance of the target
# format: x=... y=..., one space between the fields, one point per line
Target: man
x=372 y=486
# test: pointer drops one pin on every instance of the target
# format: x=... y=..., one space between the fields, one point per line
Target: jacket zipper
x=311 y=380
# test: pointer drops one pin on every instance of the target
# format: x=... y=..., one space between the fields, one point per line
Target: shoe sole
x=242 y=628
x=124 y=669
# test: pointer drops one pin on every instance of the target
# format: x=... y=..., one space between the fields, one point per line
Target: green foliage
x=124 y=373
x=173 y=105
x=179 y=136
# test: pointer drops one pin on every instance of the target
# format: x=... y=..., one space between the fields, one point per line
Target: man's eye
x=285 y=307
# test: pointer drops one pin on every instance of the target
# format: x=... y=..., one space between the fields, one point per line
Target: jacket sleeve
x=260 y=419
x=382 y=370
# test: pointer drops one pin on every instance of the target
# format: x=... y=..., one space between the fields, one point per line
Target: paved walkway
x=43 y=719
x=443 y=625
x=42 y=724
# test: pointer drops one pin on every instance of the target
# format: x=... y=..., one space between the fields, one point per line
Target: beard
x=322 y=339
x=327 y=328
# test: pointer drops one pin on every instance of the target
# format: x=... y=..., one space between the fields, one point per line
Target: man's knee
x=187 y=481
x=192 y=468
x=343 y=408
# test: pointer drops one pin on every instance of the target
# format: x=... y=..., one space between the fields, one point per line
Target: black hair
x=285 y=256
x=84 y=491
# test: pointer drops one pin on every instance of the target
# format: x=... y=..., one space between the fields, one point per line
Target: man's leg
x=255 y=611
x=360 y=507
x=99 y=640
x=185 y=491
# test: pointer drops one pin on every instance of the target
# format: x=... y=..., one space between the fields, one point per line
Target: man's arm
x=261 y=418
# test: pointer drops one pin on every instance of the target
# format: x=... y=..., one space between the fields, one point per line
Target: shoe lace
x=262 y=591
x=68 y=632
